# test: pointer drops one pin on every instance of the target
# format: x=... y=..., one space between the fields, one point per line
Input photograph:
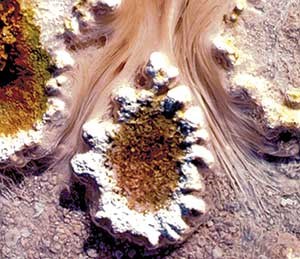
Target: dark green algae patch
x=24 y=68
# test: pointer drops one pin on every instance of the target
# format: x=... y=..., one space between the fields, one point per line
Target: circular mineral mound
x=143 y=170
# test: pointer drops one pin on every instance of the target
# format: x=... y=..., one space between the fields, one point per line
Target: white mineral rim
x=169 y=224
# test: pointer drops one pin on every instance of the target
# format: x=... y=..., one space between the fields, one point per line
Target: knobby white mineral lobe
x=160 y=70
x=126 y=98
x=167 y=224
x=109 y=4
x=63 y=59
x=181 y=94
x=225 y=52
x=51 y=16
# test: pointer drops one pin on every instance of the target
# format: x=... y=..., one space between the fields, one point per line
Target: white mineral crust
x=225 y=52
x=194 y=116
x=10 y=145
x=63 y=59
x=160 y=70
x=198 y=152
x=98 y=134
x=126 y=98
x=191 y=178
x=109 y=4
x=181 y=94
x=197 y=136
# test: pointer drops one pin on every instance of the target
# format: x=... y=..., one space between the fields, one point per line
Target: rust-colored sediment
x=23 y=69
x=145 y=155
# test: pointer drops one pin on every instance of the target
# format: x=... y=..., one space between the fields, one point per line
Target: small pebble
x=217 y=252
x=92 y=253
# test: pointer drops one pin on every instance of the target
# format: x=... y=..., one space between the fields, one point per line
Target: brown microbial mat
x=147 y=146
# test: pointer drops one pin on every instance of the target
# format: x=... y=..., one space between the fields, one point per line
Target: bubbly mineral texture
x=145 y=164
